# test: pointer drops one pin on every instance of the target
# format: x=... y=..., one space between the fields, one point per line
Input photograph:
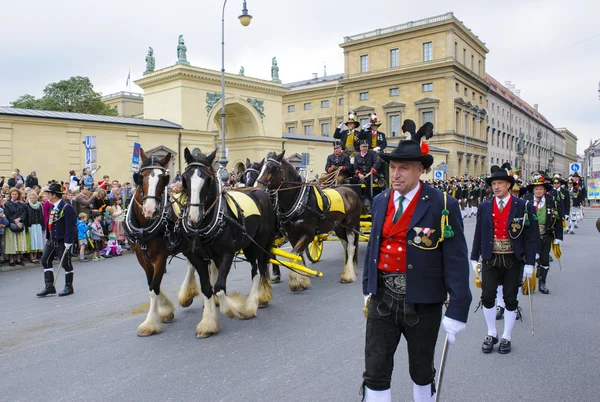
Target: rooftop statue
x=182 y=52
x=149 y=61
x=275 y=71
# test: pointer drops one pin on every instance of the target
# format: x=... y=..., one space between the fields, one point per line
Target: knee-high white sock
x=378 y=396
x=422 y=393
x=509 y=321
x=490 y=320
x=500 y=297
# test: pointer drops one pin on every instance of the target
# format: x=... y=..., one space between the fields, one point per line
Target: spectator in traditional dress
x=15 y=241
x=3 y=225
x=35 y=218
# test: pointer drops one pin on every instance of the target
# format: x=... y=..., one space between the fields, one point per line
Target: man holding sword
x=60 y=234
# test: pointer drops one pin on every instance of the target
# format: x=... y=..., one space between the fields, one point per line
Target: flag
x=128 y=77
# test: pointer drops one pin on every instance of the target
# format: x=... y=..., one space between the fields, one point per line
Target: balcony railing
x=401 y=27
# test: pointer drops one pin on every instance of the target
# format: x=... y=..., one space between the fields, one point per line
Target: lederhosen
x=504 y=268
x=55 y=240
x=390 y=316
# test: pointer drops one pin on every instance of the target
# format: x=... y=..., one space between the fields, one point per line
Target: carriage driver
x=337 y=160
x=60 y=235
x=416 y=258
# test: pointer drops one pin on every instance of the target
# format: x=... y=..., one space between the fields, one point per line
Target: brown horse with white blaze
x=148 y=219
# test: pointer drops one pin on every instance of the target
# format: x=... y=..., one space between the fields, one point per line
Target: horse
x=302 y=219
x=217 y=224
x=249 y=176
x=149 y=224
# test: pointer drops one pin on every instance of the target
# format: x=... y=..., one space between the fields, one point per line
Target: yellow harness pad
x=180 y=198
x=335 y=200
x=246 y=203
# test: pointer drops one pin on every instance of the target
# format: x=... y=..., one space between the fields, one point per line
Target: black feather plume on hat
x=409 y=126
x=426 y=131
x=506 y=165
x=494 y=168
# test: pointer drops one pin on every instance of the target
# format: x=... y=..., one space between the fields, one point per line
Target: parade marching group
x=409 y=270
x=417 y=258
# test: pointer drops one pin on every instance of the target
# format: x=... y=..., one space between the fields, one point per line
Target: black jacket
x=562 y=196
x=553 y=224
x=14 y=210
x=381 y=141
x=342 y=135
x=364 y=165
x=34 y=215
x=64 y=225
x=337 y=161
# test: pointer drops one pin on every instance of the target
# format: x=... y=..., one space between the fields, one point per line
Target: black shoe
x=519 y=315
x=543 y=288
x=21 y=263
x=488 y=344
x=504 y=347
x=68 y=290
x=499 y=313
x=49 y=281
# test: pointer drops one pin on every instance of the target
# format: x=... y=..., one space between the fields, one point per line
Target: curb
x=28 y=265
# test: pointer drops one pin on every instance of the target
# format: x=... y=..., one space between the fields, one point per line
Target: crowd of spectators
x=25 y=210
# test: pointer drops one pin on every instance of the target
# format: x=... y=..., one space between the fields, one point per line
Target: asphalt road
x=305 y=346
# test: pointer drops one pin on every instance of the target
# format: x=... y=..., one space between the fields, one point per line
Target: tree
x=74 y=95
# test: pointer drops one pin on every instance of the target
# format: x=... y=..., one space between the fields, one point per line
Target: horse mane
x=289 y=171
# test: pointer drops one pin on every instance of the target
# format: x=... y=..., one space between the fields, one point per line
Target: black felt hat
x=55 y=188
x=337 y=144
x=412 y=150
x=500 y=173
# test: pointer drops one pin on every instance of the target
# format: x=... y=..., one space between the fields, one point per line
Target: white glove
x=452 y=327
x=367 y=126
x=376 y=149
x=528 y=271
x=367 y=297
x=342 y=124
x=474 y=265
x=566 y=217
x=537 y=256
x=558 y=241
x=68 y=245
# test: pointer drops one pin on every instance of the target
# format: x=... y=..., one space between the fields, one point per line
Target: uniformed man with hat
x=561 y=194
x=60 y=235
x=506 y=236
x=375 y=138
x=576 y=200
x=416 y=257
x=338 y=160
x=347 y=132
x=549 y=216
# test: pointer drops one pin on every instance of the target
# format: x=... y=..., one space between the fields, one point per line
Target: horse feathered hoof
x=148 y=330
x=186 y=303
x=168 y=318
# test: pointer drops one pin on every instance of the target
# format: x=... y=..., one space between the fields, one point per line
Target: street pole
x=245 y=21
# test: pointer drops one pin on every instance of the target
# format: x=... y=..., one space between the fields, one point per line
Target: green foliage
x=74 y=95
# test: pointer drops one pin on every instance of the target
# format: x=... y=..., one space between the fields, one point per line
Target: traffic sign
x=90 y=156
x=438 y=175
x=574 y=168
x=135 y=158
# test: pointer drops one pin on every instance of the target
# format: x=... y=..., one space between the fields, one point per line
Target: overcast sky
x=532 y=43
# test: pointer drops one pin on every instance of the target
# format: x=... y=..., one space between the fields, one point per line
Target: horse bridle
x=208 y=172
x=267 y=184
x=166 y=175
x=250 y=170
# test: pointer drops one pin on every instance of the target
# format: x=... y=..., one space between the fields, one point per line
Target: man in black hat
x=417 y=256
x=335 y=161
x=375 y=138
x=549 y=215
x=576 y=200
x=506 y=236
x=561 y=194
x=60 y=235
x=347 y=132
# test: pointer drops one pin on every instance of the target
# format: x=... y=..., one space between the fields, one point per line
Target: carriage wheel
x=315 y=250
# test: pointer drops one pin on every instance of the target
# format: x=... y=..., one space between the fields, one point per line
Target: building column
x=6 y=153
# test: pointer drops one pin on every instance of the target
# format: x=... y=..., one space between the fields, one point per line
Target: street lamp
x=245 y=19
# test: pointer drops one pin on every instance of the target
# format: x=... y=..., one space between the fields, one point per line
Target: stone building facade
x=519 y=134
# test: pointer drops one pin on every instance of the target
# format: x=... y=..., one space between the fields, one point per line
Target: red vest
x=392 y=249
x=501 y=219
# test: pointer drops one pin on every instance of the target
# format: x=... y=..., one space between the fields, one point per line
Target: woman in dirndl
x=35 y=220
x=15 y=242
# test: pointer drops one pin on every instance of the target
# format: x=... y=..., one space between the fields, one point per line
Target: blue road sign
x=574 y=167
x=438 y=175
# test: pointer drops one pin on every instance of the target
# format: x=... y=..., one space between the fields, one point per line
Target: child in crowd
x=112 y=246
x=97 y=235
x=3 y=223
x=82 y=235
